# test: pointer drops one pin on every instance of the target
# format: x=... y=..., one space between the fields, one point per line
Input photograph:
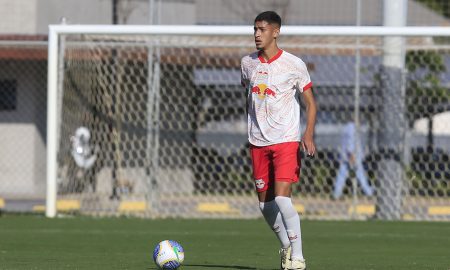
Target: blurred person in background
x=351 y=158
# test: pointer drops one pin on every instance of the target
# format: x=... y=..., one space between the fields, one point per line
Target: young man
x=273 y=78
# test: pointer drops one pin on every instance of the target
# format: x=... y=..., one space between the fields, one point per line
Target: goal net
x=151 y=121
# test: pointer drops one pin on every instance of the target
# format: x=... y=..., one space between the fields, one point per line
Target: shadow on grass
x=206 y=266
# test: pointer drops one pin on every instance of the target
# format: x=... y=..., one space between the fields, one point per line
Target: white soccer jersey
x=273 y=110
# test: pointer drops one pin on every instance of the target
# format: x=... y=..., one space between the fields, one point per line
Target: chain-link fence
x=156 y=126
x=137 y=117
x=23 y=111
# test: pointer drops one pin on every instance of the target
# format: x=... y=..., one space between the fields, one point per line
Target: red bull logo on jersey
x=263 y=91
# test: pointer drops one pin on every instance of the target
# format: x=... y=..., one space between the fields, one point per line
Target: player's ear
x=276 y=32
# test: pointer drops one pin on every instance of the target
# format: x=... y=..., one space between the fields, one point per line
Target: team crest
x=260 y=87
x=263 y=91
x=259 y=183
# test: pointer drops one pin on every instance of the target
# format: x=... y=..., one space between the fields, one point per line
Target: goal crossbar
x=246 y=30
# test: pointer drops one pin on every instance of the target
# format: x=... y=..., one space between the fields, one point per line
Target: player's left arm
x=244 y=83
x=311 y=111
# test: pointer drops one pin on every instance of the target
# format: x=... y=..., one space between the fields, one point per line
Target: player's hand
x=352 y=159
x=308 y=145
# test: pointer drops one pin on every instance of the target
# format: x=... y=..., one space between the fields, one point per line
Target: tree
x=440 y=6
x=425 y=94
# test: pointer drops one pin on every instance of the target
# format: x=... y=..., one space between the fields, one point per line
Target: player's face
x=265 y=34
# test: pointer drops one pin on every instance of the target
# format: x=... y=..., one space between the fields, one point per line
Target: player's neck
x=269 y=53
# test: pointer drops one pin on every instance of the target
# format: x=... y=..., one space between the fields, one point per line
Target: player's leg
x=264 y=185
x=290 y=217
x=340 y=180
x=291 y=220
x=287 y=167
x=361 y=176
x=272 y=215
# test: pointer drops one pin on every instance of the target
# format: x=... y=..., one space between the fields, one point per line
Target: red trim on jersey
x=262 y=60
x=308 y=86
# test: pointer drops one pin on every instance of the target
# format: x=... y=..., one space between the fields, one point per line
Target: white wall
x=76 y=12
x=34 y=16
x=22 y=132
x=22 y=161
x=18 y=16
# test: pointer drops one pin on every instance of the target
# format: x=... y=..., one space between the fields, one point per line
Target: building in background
x=31 y=17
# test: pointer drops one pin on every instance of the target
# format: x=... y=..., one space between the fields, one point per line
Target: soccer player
x=273 y=79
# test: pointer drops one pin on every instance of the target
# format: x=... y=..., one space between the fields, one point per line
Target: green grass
x=34 y=242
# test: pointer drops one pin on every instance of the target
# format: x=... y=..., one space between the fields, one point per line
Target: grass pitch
x=34 y=242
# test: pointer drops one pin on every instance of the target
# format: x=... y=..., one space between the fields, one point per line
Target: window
x=8 y=95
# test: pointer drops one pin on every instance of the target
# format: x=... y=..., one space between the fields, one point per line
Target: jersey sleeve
x=303 y=79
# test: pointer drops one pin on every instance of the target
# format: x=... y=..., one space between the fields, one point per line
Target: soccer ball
x=168 y=254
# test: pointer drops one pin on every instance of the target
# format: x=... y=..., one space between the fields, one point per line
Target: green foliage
x=425 y=90
x=428 y=174
x=440 y=6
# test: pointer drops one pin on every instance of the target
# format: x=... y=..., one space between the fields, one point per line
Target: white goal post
x=56 y=64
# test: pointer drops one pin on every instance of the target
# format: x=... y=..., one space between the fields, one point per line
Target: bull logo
x=259 y=183
x=262 y=91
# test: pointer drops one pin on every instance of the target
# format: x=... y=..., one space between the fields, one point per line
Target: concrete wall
x=18 y=16
x=22 y=131
x=22 y=162
x=75 y=11
x=34 y=16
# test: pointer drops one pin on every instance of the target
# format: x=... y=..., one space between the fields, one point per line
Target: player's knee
x=283 y=188
x=286 y=207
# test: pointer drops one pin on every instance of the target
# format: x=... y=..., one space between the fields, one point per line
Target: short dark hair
x=271 y=17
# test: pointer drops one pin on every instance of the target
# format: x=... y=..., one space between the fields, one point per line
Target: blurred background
x=163 y=118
